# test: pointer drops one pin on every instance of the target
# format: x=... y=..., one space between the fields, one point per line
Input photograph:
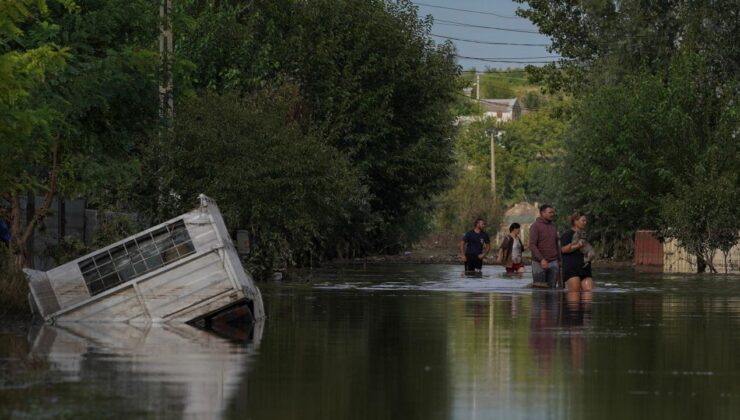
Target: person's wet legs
x=573 y=284
x=573 y=295
x=552 y=272
x=538 y=274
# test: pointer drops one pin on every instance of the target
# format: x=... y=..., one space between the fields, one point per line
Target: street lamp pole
x=477 y=87
x=493 y=165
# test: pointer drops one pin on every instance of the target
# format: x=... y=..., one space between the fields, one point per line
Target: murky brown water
x=403 y=342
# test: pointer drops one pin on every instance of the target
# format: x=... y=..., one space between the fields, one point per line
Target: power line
x=520 y=58
x=495 y=75
x=524 y=108
x=475 y=41
x=502 y=61
x=470 y=25
x=469 y=11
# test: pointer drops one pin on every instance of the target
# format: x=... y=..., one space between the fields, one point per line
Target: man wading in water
x=543 y=242
x=474 y=246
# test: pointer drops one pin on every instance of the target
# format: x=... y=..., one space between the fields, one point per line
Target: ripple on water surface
x=405 y=342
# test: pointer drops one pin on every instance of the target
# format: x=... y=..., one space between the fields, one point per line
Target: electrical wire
x=470 y=25
x=502 y=61
x=521 y=58
x=475 y=41
x=469 y=11
x=496 y=76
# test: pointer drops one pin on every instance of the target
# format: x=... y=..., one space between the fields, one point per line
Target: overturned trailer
x=183 y=270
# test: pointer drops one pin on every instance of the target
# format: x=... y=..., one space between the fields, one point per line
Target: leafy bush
x=470 y=198
x=267 y=174
x=375 y=87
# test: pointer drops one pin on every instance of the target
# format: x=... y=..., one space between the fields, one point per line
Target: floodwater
x=403 y=342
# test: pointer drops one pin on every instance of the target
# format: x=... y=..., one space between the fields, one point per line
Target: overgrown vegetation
x=526 y=153
x=326 y=127
x=292 y=191
x=323 y=126
x=81 y=89
x=653 y=140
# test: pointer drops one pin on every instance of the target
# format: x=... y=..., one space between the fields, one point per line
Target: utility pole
x=166 y=96
x=477 y=87
x=493 y=165
x=166 y=92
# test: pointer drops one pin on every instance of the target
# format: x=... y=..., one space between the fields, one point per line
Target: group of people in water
x=550 y=253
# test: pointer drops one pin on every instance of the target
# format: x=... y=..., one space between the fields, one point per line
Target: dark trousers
x=472 y=262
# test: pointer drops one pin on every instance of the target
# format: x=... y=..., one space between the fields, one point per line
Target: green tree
x=526 y=151
x=93 y=109
x=492 y=87
x=702 y=215
x=604 y=41
x=28 y=58
x=636 y=142
x=533 y=144
x=375 y=87
x=470 y=197
x=289 y=188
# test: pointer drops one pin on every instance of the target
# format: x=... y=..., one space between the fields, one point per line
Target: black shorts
x=472 y=262
x=577 y=271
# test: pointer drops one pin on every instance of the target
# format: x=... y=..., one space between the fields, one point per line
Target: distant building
x=501 y=109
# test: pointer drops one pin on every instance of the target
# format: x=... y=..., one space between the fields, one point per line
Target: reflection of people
x=550 y=314
x=576 y=272
x=545 y=311
x=577 y=316
x=543 y=242
x=511 y=249
x=474 y=246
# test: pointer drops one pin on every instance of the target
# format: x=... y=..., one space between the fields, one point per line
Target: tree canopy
x=372 y=84
x=656 y=116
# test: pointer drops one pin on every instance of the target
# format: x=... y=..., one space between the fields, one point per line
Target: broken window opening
x=136 y=257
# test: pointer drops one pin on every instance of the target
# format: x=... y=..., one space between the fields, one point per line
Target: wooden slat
x=121 y=306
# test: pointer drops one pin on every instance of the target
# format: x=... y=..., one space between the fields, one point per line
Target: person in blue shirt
x=474 y=247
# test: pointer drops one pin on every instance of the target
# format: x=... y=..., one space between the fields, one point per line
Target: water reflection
x=556 y=315
x=343 y=355
x=407 y=342
x=162 y=371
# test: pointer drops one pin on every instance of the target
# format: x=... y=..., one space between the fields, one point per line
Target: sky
x=491 y=13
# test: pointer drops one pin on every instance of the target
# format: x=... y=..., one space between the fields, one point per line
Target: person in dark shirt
x=474 y=246
x=576 y=272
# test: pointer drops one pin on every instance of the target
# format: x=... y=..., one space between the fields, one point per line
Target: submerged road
x=404 y=341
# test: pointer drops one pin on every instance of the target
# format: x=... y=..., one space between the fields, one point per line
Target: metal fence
x=65 y=218
x=678 y=260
